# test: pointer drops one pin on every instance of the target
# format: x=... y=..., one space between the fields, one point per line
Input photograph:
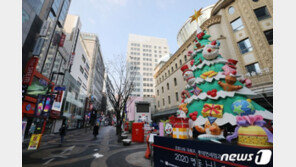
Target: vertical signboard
x=34 y=141
x=29 y=71
x=62 y=40
x=57 y=104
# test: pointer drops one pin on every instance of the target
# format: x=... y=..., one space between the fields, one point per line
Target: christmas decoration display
x=208 y=74
x=180 y=127
x=220 y=96
x=212 y=131
x=251 y=132
x=247 y=82
x=212 y=110
x=196 y=90
x=188 y=74
x=243 y=107
x=161 y=128
x=185 y=94
x=229 y=85
x=168 y=128
x=210 y=51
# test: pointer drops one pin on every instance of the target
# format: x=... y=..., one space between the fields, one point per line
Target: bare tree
x=122 y=78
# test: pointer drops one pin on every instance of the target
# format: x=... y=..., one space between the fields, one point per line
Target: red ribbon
x=212 y=108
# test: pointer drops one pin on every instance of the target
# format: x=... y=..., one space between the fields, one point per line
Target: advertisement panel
x=57 y=104
x=43 y=105
x=37 y=87
x=34 y=141
x=180 y=152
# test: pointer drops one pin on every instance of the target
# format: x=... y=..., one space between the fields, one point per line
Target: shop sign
x=72 y=58
x=29 y=71
x=28 y=107
x=62 y=40
x=34 y=141
x=38 y=46
x=57 y=104
x=37 y=87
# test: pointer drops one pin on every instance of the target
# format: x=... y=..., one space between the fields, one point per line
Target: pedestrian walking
x=63 y=132
x=96 y=131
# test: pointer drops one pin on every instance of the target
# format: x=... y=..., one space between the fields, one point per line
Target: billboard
x=37 y=87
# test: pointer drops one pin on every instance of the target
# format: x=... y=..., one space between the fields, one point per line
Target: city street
x=80 y=149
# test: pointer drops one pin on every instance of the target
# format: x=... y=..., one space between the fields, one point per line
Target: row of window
x=148 y=84
x=171 y=71
x=168 y=86
x=135 y=44
x=147 y=59
x=135 y=53
x=147 y=74
x=137 y=49
x=147 y=79
x=169 y=99
x=147 y=64
x=146 y=69
x=147 y=90
x=135 y=58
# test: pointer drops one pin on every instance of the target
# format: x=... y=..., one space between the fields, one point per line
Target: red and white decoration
x=188 y=74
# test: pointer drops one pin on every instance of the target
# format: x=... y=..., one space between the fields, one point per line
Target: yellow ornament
x=196 y=15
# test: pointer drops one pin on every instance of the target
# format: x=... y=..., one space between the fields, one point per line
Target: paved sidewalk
x=82 y=150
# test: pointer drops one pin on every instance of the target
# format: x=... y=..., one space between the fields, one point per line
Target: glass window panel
x=269 y=36
x=237 y=24
x=245 y=46
x=261 y=13
x=253 y=68
x=56 y=66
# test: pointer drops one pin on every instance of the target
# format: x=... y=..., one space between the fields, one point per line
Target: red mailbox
x=138 y=132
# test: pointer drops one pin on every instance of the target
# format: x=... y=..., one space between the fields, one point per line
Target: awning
x=166 y=112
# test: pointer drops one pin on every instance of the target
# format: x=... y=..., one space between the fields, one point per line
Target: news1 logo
x=262 y=157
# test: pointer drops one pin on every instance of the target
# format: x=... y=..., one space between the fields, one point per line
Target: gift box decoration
x=212 y=110
x=181 y=123
x=251 y=132
x=253 y=136
x=181 y=133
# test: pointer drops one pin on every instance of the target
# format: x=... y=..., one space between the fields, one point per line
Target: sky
x=114 y=20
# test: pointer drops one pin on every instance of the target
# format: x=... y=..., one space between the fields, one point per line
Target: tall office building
x=97 y=68
x=143 y=54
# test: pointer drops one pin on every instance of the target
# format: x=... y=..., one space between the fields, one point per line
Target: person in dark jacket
x=96 y=131
x=63 y=132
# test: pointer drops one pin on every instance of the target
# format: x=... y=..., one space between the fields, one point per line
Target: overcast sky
x=113 y=20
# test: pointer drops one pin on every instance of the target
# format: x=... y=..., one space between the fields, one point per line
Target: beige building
x=245 y=30
x=169 y=80
x=143 y=54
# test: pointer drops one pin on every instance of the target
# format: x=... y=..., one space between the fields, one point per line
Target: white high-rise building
x=143 y=54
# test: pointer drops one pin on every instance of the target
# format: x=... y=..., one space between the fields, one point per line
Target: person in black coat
x=63 y=132
x=96 y=131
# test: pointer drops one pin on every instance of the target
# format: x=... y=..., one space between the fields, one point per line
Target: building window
x=231 y=10
x=81 y=69
x=237 y=24
x=163 y=102
x=269 y=36
x=162 y=90
x=157 y=92
x=176 y=65
x=180 y=62
x=168 y=86
x=262 y=13
x=255 y=0
x=245 y=46
x=169 y=99
x=185 y=58
x=172 y=69
x=175 y=81
x=158 y=104
x=253 y=68
x=83 y=59
x=177 y=96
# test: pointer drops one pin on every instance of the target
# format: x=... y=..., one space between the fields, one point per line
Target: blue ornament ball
x=243 y=107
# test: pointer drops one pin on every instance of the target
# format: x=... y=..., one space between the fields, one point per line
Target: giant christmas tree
x=213 y=89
